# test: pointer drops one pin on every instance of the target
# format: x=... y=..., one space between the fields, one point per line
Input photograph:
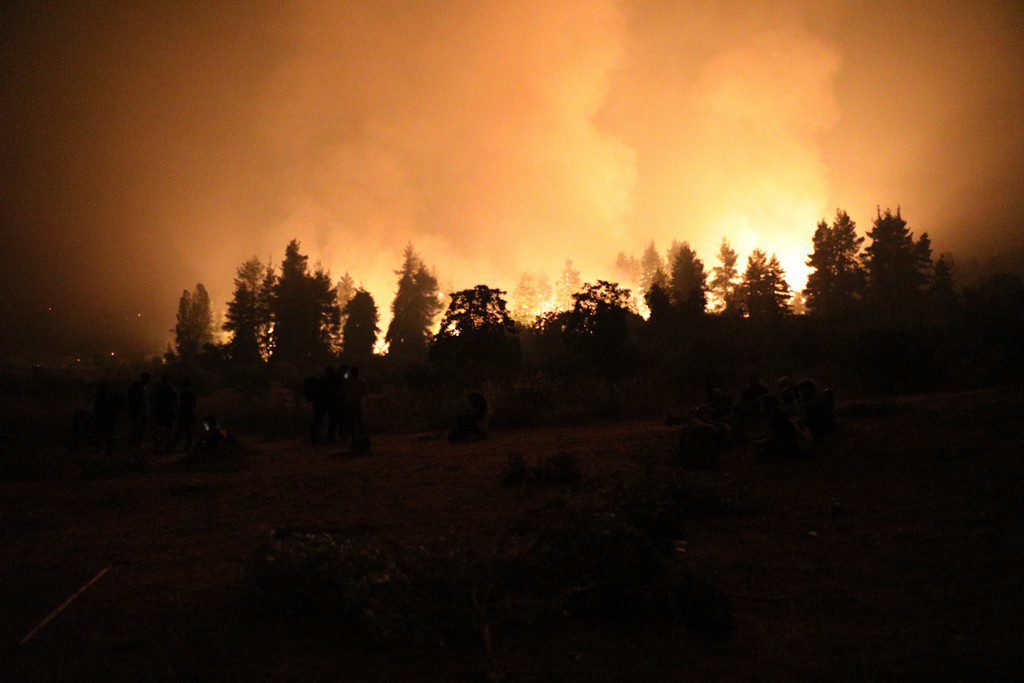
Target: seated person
x=786 y=437
x=721 y=405
x=748 y=408
x=213 y=438
x=817 y=408
x=472 y=425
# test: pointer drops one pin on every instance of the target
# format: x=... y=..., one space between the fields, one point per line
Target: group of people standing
x=163 y=413
x=783 y=423
x=337 y=400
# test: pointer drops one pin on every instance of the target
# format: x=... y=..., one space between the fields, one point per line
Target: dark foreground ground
x=897 y=552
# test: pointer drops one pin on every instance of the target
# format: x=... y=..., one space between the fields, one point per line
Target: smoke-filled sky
x=149 y=146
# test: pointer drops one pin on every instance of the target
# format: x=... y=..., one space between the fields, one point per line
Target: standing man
x=355 y=390
x=163 y=405
x=186 y=416
x=137 y=413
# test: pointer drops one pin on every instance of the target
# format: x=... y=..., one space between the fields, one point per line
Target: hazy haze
x=150 y=146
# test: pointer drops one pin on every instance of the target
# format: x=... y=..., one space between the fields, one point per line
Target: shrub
x=392 y=593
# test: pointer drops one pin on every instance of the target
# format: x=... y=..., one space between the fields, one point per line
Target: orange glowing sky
x=149 y=146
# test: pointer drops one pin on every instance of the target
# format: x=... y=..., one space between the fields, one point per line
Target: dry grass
x=894 y=554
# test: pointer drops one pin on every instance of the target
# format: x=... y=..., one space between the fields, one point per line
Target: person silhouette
x=355 y=391
x=186 y=416
x=163 y=406
x=138 y=414
x=316 y=390
x=337 y=422
x=108 y=406
x=472 y=425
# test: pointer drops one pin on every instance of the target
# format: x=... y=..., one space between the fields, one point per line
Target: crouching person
x=472 y=425
x=786 y=437
x=703 y=440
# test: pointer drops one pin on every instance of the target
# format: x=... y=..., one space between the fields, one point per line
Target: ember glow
x=152 y=146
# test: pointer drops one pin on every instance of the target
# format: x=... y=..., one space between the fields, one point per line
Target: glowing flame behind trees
x=895 y=266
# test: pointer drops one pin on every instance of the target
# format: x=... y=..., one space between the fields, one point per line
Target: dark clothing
x=471 y=426
x=186 y=419
x=337 y=425
x=316 y=392
x=163 y=405
x=137 y=413
x=354 y=390
x=109 y=405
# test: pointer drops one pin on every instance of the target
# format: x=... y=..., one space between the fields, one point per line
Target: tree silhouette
x=360 y=330
x=725 y=276
x=477 y=335
x=414 y=309
x=568 y=284
x=248 y=316
x=530 y=297
x=897 y=267
x=327 y=325
x=764 y=291
x=627 y=268
x=942 y=296
x=651 y=264
x=688 y=282
x=194 y=327
x=305 y=311
x=835 y=285
x=598 y=321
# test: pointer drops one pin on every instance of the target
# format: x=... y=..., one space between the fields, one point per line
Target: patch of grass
x=515 y=472
x=562 y=470
x=19 y=465
x=392 y=593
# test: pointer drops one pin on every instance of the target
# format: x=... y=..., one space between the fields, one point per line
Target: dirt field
x=896 y=552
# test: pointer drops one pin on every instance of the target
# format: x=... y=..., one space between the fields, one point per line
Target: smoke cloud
x=152 y=146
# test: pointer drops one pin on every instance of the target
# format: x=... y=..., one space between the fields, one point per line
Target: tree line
x=296 y=314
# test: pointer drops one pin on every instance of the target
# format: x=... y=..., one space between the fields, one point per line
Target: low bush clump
x=392 y=593
x=586 y=566
x=562 y=470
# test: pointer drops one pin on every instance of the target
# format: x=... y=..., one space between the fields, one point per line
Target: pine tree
x=723 y=282
x=360 y=331
x=266 y=307
x=567 y=286
x=835 y=285
x=627 y=268
x=346 y=289
x=531 y=297
x=327 y=324
x=897 y=267
x=247 y=318
x=942 y=294
x=414 y=309
x=650 y=264
x=305 y=311
x=764 y=291
x=688 y=282
x=194 y=327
